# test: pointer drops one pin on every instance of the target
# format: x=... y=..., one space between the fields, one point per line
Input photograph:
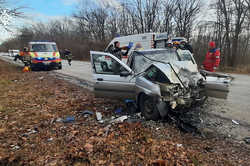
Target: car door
x=217 y=85
x=112 y=78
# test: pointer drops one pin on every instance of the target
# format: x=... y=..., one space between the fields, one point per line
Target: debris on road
x=59 y=120
x=235 y=122
x=50 y=139
x=30 y=131
x=131 y=105
x=98 y=116
x=247 y=140
x=118 y=111
x=69 y=119
x=179 y=145
x=41 y=78
x=120 y=119
x=15 y=147
x=86 y=113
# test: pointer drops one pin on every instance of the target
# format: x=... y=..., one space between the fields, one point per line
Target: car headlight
x=39 y=58
x=51 y=58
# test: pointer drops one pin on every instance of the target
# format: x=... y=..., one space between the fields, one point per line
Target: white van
x=143 y=41
x=13 y=53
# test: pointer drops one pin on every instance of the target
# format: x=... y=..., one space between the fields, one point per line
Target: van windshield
x=160 y=44
x=143 y=59
x=43 y=48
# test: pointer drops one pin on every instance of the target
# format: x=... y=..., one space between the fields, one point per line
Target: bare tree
x=93 y=22
x=7 y=14
x=240 y=14
x=168 y=18
x=145 y=14
x=185 y=15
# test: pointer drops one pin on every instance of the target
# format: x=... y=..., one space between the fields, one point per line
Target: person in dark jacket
x=117 y=52
x=186 y=46
x=68 y=56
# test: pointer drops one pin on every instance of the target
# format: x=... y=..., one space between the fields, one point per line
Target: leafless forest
x=92 y=27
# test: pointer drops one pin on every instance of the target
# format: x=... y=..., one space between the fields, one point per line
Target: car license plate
x=46 y=62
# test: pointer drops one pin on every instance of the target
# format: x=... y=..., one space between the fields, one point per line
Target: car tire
x=60 y=67
x=148 y=108
x=33 y=67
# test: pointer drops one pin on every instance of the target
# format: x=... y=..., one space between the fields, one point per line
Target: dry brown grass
x=30 y=103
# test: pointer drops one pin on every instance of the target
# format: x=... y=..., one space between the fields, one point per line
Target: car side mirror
x=124 y=73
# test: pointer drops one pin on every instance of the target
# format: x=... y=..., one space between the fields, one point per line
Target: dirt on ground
x=42 y=123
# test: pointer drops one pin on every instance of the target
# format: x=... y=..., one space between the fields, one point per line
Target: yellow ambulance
x=44 y=55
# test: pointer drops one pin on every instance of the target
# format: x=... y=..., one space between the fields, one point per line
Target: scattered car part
x=69 y=119
x=99 y=117
x=235 y=122
x=247 y=140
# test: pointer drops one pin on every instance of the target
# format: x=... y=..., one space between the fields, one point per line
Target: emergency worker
x=17 y=56
x=117 y=52
x=25 y=56
x=186 y=46
x=176 y=44
x=68 y=56
x=169 y=44
x=212 y=59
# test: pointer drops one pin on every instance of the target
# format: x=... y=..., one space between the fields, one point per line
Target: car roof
x=150 y=50
x=42 y=43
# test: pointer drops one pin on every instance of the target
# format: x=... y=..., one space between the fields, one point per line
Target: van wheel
x=33 y=67
x=60 y=67
x=148 y=108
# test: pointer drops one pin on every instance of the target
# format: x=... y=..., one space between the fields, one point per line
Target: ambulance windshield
x=43 y=48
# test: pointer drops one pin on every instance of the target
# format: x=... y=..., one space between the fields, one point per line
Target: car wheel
x=148 y=108
x=33 y=67
x=60 y=67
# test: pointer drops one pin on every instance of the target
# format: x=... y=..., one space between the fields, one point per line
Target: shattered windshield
x=43 y=48
x=143 y=59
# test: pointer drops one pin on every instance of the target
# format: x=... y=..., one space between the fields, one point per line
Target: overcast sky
x=44 y=10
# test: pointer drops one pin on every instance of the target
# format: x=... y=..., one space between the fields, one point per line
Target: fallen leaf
x=2 y=130
x=159 y=163
x=88 y=147
x=140 y=156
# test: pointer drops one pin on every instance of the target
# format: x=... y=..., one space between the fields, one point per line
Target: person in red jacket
x=212 y=59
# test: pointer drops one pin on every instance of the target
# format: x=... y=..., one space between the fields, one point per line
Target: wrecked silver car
x=160 y=80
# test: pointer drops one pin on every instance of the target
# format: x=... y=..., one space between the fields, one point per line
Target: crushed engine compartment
x=186 y=96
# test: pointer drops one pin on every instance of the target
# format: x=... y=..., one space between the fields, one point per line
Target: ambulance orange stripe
x=36 y=55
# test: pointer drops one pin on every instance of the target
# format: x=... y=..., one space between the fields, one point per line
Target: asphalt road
x=236 y=107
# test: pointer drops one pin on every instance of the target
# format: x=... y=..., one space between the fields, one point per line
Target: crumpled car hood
x=186 y=70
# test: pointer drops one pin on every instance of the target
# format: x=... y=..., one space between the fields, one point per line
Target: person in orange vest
x=26 y=58
x=212 y=60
